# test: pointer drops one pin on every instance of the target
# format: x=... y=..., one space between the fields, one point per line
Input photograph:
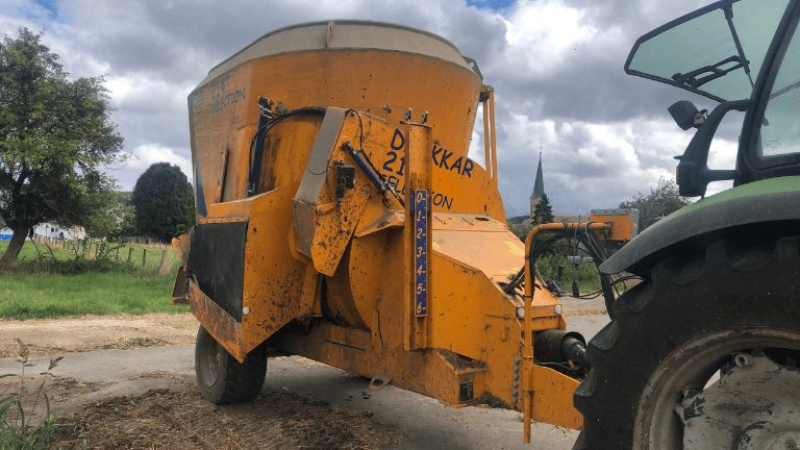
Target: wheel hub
x=753 y=406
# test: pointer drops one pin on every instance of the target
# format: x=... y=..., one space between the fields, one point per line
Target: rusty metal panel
x=552 y=399
x=274 y=281
x=179 y=288
x=225 y=329
x=314 y=177
x=316 y=171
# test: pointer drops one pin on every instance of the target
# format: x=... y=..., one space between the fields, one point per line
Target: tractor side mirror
x=693 y=174
x=686 y=115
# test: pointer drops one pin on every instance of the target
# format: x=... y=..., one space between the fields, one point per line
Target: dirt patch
x=585 y=312
x=576 y=307
x=178 y=418
x=88 y=333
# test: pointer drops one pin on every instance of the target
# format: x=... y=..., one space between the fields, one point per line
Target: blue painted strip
x=421 y=252
x=5 y=237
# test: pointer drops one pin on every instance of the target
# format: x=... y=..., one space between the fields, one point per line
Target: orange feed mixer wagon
x=340 y=218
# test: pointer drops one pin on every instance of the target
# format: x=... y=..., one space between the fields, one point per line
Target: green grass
x=153 y=255
x=27 y=295
x=45 y=295
x=153 y=259
x=28 y=252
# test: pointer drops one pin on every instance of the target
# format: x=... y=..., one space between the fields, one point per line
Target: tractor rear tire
x=731 y=296
x=221 y=378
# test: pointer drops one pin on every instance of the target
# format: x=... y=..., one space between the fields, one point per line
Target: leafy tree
x=164 y=202
x=55 y=138
x=117 y=217
x=662 y=200
x=521 y=230
x=543 y=213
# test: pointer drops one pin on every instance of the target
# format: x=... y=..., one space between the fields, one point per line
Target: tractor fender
x=771 y=200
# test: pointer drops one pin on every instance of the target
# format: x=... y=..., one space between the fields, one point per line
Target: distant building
x=50 y=231
x=538 y=187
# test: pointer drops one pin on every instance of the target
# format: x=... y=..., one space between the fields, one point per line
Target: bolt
x=743 y=360
x=424 y=117
x=407 y=114
x=387 y=108
x=245 y=310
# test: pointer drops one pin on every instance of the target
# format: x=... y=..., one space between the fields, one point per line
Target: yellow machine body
x=310 y=260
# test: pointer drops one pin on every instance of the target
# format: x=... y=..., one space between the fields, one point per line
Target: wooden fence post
x=130 y=254
x=117 y=257
x=144 y=256
x=162 y=265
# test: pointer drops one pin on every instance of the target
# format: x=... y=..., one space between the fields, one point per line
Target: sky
x=556 y=65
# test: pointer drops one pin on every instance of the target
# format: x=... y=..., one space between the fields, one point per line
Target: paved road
x=424 y=422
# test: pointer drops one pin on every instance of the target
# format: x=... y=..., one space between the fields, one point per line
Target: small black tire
x=222 y=379
x=732 y=285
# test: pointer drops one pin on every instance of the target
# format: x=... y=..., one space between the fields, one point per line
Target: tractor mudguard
x=771 y=200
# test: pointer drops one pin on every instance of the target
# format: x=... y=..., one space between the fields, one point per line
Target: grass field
x=135 y=251
x=26 y=295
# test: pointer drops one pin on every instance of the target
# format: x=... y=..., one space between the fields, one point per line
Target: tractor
x=703 y=353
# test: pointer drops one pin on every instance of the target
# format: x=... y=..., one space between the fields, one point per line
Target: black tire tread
x=683 y=295
x=237 y=382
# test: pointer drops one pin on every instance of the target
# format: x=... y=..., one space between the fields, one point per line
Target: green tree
x=116 y=218
x=662 y=200
x=55 y=139
x=164 y=202
x=543 y=213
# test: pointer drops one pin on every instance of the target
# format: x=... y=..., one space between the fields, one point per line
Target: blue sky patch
x=50 y=5
x=491 y=4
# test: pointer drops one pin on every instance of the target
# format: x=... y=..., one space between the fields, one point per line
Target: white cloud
x=556 y=66
x=538 y=34
x=145 y=155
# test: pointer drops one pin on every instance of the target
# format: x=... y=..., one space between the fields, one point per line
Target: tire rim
x=691 y=367
x=211 y=364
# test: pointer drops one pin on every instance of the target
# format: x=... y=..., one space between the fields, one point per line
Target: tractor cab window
x=780 y=129
x=716 y=51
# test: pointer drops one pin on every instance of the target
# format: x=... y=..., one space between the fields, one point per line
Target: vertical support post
x=494 y=136
x=487 y=137
x=162 y=264
x=130 y=254
x=530 y=290
x=527 y=347
x=117 y=257
x=144 y=256
x=417 y=236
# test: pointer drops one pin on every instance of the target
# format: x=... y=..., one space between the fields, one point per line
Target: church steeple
x=538 y=186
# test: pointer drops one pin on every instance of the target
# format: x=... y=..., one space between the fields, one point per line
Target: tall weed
x=81 y=261
x=20 y=429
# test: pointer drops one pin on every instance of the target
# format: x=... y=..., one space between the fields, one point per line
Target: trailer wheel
x=221 y=378
x=685 y=363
